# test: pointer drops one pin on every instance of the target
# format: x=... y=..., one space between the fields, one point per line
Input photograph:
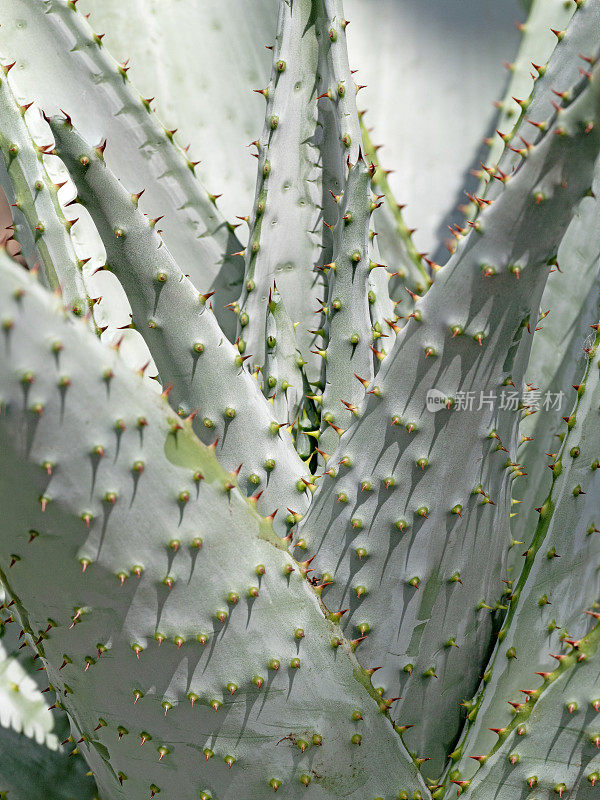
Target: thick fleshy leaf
x=50 y=43
x=204 y=371
x=414 y=528
x=191 y=653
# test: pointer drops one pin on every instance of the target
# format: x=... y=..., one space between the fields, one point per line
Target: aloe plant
x=277 y=512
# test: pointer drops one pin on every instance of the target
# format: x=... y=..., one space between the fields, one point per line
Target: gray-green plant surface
x=287 y=507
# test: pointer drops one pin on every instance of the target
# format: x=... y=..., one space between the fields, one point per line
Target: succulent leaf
x=545 y=601
x=146 y=559
x=418 y=491
x=557 y=363
x=349 y=328
x=537 y=44
x=283 y=375
x=384 y=316
x=295 y=200
x=189 y=631
x=285 y=237
x=192 y=354
x=573 y=56
x=36 y=197
x=395 y=237
x=201 y=87
x=57 y=42
x=550 y=744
